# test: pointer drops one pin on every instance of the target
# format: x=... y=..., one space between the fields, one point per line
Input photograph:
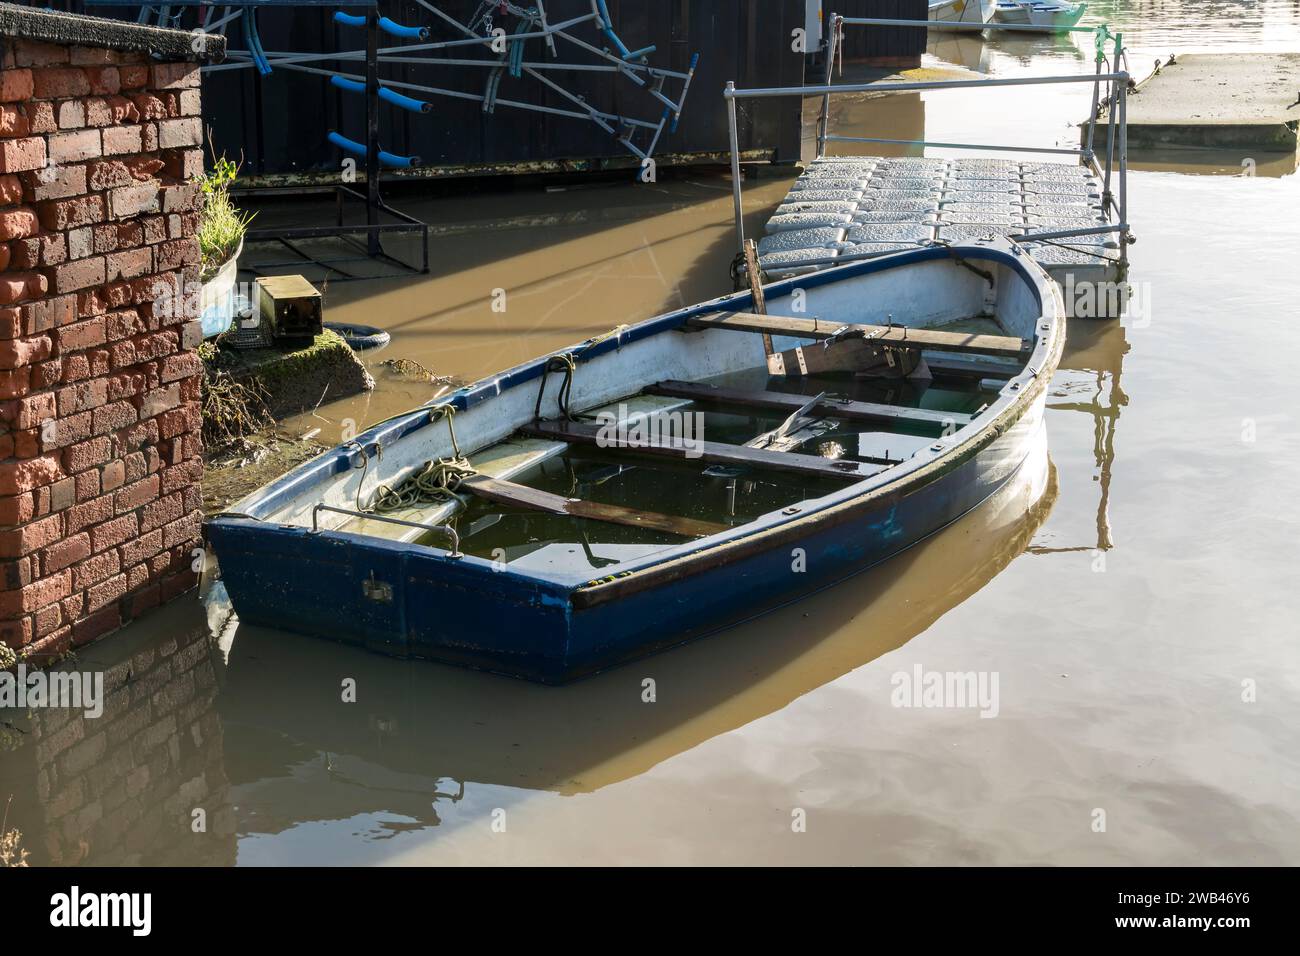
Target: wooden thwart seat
x=712 y=453
x=522 y=496
x=1002 y=346
x=830 y=407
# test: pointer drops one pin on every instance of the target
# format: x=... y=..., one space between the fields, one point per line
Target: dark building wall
x=279 y=123
x=899 y=47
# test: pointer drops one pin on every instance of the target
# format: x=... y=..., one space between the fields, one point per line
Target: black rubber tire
x=360 y=337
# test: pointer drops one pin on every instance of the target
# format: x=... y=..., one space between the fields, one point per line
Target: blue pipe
x=255 y=42
x=388 y=26
x=516 y=57
x=397 y=30
x=387 y=159
x=385 y=94
x=607 y=27
x=690 y=72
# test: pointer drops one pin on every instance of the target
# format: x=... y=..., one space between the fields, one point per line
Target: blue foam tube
x=347 y=145
x=405 y=102
x=356 y=149
x=255 y=42
x=352 y=86
x=397 y=30
x=391 y=27
x=403 y=162
x=607 y=27
x=385 y=94
x=690 y=71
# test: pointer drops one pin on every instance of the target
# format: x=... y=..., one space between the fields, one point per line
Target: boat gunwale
x=766 y=531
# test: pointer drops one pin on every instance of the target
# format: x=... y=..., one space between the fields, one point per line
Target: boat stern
x=394 y=599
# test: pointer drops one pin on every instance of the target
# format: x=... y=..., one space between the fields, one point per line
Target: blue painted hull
x=469 y=613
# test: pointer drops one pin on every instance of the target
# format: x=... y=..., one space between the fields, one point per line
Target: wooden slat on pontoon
x=711 y=453
x=510 y=493
x=968 y=343
x=831 y=407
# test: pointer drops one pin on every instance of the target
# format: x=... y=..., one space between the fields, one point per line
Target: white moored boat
x=1047 y=17
x=960 y=11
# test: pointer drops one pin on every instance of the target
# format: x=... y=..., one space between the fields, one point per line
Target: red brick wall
x=99 y=384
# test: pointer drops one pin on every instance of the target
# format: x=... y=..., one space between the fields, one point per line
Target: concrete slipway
x=1218 y=100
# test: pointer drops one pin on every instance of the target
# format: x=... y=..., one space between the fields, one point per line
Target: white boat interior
x=700 y=435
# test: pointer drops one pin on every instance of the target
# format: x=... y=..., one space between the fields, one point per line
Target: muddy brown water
x=1133 y=593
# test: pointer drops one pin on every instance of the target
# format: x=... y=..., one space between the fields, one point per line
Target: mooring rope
x=436 y=481
x=564 y=362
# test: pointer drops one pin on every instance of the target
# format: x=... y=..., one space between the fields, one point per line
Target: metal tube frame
x=372 y=231
x=954 y=25
x=1116 y=80
x=638 y=73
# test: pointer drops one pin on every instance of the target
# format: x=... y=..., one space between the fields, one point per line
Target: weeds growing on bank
x=231 y=409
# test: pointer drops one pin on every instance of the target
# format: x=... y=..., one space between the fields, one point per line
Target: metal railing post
x=824 y=121
x=730 y=94
x=1092 y=117
x=1107 y=196
x=1123 y=170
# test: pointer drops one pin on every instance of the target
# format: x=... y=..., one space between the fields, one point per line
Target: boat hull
x=439 y=612
x=422 y=602
x=1039 y=18
x=960 y=11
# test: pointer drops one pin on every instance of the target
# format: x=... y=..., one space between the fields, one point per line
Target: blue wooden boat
x=667 y=479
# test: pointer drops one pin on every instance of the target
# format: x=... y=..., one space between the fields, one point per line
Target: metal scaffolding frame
x=637 y=135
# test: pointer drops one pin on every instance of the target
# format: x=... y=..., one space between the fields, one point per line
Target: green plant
x=221 y=224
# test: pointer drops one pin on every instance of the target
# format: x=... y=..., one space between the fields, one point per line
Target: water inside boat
x=634 y=503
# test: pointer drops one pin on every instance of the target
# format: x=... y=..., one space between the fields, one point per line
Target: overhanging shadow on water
x=416 y=726
x=494 y=227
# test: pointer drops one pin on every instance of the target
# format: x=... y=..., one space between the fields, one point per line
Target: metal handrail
x=732 y=91
x=1116 y=101
x=954 y=25
x=446 y=529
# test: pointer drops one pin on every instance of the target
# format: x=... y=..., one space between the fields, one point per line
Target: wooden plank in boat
x=830 y=407
x=509 y=493
x=969 y=343
x=711 y=453
x=970 y=366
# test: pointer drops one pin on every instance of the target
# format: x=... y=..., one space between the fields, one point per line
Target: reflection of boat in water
x=418 y=735
x=962 y=47
x=960 y=11
x=1049 y=17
